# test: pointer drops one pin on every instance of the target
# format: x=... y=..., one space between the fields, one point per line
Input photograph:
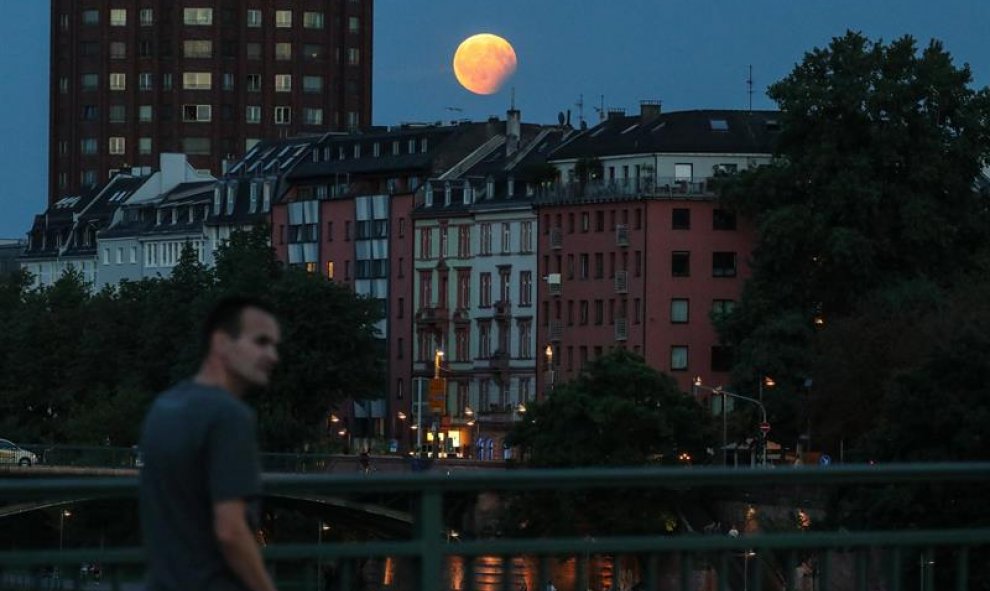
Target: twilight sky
x=686 y=53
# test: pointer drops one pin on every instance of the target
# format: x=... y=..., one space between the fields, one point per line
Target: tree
x=618 y=412
x=872 y=188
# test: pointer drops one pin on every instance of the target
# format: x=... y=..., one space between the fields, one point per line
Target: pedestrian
x=200 y=484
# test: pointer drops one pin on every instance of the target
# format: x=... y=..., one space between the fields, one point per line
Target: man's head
x=241 y=338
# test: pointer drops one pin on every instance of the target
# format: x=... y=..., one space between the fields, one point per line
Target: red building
x=635 y=251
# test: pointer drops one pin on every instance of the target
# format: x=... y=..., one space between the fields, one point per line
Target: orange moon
x=483 y=62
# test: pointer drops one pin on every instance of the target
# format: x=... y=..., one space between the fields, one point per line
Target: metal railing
x=758 y=560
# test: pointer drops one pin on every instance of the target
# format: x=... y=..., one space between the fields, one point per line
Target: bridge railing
x=807 y=557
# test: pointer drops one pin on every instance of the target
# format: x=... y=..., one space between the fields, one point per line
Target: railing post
x=430 y=533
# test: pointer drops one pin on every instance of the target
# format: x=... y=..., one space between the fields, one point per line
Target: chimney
x=513 y=127
x=615 y=114
x=648 y=110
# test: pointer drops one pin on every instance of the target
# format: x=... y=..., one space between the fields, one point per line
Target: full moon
x=483 y=62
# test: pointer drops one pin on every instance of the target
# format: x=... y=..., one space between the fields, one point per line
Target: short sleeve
x=232 y=456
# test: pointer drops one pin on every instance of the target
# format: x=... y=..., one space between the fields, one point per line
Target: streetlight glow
x=521 y=409
x=401 y=415
x=468 y=411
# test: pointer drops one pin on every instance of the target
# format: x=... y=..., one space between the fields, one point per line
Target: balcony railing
x=764 y=556
x=432 y=315
x=556 y=330
x=622 y=235
x=622 y=282
x=556 y=238
x=621 y=329
x=671 y=187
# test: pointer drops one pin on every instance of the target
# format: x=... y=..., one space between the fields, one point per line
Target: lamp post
x=768 y=382
x=61 y=530
x=473 y=421
x=550 y=372
x=319 y=558
x=723 y=393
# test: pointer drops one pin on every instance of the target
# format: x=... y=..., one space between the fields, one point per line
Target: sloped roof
x=700 y=131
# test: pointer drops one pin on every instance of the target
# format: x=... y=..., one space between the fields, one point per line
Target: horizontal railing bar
x=559 y=546
x=556 y=479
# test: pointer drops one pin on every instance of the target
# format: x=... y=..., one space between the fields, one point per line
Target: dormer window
x=446 y=193
x=377 y=149
x=468 y=193
x=511 y=187
x=175 y=215
x=266 y=197
x=158 y=217
x=489 y=187
x=216 y=201
x=428 y=195
x=206 y=212
x=192 y=214
x=231 y=194
x=357 y=150
x=253 y=204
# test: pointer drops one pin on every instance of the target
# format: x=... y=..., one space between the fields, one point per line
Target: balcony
x=622 y=282
x=622 y=235
x=499 y=360
x=621 y=329
x=432 y=316
x=461 y=316
x=556 y=330
x=661 y=187
x=502 y=309
x=556 y=238
x=555 y=289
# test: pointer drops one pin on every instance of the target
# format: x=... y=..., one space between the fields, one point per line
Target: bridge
x=807 y=557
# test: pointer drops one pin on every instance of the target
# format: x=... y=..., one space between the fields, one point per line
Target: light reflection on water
x=489 y=573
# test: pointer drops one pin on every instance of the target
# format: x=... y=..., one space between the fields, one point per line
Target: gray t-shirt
x=199 y=447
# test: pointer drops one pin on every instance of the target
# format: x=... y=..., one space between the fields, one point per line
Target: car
x=12 y=454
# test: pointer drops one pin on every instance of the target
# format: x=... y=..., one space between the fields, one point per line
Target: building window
x=678 y=358
x=252 y=51
x=313 y=52
x=90 y=17
x=283 y=19
x=312 y=84
x=196 y=145
x=486 y=239
x=118 y=17
x=526 y=237
x=723 y=219
x=197 y=113
x=526 y=288
x=197 y=80
x=146 y=17
x=118 y=81
x=87 y=146
x=312 y=116
x=484 y=290
x=353 y=56
x=90 y=113
x=506 y=238
x=679 y=310
x=252 y=114
x=116 y=146
x=313 y=20
x=197 y=16
x=145 y=81
x=118 y=113
x=118 y=50
x=283 y=115
x=144 y=145
x=283 y=51
x=283 y=83
x=723 y=264
x=253 y=83
x=680 y=264
x=253 y=18
x=167 y=81
x=228 y=81
x=681 y=219
x=197 y=48
x=353 y=24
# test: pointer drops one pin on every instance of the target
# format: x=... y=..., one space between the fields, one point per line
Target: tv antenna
x=749 y=87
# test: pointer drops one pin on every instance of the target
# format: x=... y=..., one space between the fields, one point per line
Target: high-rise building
x=209 y=78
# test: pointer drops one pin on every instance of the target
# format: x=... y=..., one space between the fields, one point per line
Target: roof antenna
x=580 y=105
x=749 y=86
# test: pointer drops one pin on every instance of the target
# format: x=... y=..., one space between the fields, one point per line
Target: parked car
x=11 y=454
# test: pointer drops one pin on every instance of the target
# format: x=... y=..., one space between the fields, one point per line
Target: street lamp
x=550 y=372
x=61 y=530
x=766 y=381
x=723 y=393
x=319 y=541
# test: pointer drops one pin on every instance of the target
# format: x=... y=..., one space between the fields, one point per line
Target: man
x=201 y=479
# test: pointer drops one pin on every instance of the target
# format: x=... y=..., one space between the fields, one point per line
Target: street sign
x=438 y=395
x=765 y=427
x=825 y=460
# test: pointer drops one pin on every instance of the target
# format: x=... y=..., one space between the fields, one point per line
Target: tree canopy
x=82 y=367
x=870 y=199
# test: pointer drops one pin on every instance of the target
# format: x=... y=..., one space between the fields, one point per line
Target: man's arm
x=239 y=546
